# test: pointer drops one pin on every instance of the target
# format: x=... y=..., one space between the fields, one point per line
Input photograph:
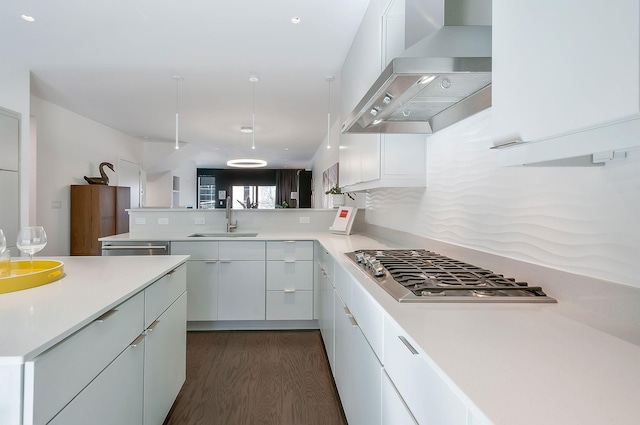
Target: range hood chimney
x=441 y=79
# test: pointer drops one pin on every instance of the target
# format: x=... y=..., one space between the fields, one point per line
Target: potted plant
x=338 y=198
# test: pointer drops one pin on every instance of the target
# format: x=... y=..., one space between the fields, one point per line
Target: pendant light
x=177 y=79
x=254 y=79
x=329 y=79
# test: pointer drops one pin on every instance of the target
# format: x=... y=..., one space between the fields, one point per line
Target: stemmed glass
x=31 y=240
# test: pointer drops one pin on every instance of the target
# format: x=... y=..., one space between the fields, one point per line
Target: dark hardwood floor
x=256 y=378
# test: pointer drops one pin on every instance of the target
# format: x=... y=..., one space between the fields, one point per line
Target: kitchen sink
x=224 y=235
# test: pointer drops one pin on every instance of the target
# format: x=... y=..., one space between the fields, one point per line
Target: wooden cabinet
x=289 y=280
x=97 y=211
x=570 y=90
x=115 y=369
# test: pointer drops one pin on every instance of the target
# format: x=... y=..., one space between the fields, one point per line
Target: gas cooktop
x=419 y=275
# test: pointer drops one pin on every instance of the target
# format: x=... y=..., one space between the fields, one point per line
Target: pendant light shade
x=329 y=79
x=177 y=79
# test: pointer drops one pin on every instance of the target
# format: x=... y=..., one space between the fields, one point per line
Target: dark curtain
x=286 y=182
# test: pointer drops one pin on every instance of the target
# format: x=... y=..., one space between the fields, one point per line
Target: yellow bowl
x=19 y=275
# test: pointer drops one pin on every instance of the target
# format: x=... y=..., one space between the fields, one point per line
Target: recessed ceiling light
x=246 y=129
x=286 y=149
x=295 y=20
x=247 y=163
x=28 y=18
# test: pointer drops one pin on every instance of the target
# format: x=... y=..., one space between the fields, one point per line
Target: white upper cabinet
x=370 y=161
x=566 y=78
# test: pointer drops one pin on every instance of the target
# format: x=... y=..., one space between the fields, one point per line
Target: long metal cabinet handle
x=289 y=290
x=117 y=247
x=106 y=315
x=408 y=345
x=138 y=340
x=152 y=326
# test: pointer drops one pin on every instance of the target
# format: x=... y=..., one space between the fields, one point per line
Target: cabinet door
x=283 y=275
x=326 y=316
x=357 y=370
x=164 y=361
x=241 y=293
x=428 y=397
x=114 y=397
x=202 y=287
x=9 y=140
x=393 y=409
x=9 y=206
x=580 y=71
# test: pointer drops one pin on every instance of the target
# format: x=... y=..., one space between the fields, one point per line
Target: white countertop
x=35 y=319
x=518 y=364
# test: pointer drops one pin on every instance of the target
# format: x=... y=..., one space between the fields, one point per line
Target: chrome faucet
x=230 y=225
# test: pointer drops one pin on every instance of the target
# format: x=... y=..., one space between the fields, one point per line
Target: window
x=206 y=192
x=261 y=197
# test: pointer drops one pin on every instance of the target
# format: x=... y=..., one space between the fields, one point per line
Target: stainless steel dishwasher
x=119 y=248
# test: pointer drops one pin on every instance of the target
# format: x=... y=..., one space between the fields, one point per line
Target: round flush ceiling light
x=28 y=18
x=246 y=163
x=295 y=20
x=246 y=129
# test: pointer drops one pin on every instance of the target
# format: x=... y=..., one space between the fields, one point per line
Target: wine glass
x=31 y=240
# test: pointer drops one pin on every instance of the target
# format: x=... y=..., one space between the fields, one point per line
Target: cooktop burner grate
x=427 y=274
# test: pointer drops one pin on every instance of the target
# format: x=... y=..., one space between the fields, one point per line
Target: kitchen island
x=60 y=340
x=525 y=364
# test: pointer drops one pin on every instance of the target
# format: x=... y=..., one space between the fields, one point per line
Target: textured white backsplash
x=581 y=220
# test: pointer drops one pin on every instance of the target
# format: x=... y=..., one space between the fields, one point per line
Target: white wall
x=580 y=220
x=187 y=173
x=70 y=146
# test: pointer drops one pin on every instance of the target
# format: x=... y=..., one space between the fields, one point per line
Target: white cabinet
x=241 y=293
x=326 y=317
x=571 y=89
x=370 y=161
x=289 y=280
x=115 y=369
x=164 y=361
x=428 y=397
x=114 y=397
x=9 y=180
x=202 y=278
x=393 y=411
x=357 y=369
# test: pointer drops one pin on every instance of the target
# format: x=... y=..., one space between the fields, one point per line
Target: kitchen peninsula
x=501 y=364
x=83 y=345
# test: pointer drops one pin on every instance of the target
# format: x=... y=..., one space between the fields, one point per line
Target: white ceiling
x=112 y=61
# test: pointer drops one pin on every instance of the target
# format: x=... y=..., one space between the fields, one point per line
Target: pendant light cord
x=329 y=79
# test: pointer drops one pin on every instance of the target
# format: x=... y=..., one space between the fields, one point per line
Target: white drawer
x=53 y=378
x=114 y=397
x=203 y=250
x=242 y=250
x=163 y=292
x=370 y=318
x=429 y=398
x=289 y=275
x=289 y=305
x=290 y=250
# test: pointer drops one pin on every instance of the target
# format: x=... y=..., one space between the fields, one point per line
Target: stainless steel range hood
x=442 y=79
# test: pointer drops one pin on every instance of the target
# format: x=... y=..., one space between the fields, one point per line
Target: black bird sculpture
x=103 y=179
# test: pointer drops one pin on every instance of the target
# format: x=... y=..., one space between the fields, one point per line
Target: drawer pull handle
x=105 y=316
x=289 y=241
x=211 y=261
x=171 y=272
x=138 y=340
x=152 y=326
x=225 y=261
x=347 y=311
x=289 y=291
x=408 y=345
x=353 y=321
x=290 y=261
